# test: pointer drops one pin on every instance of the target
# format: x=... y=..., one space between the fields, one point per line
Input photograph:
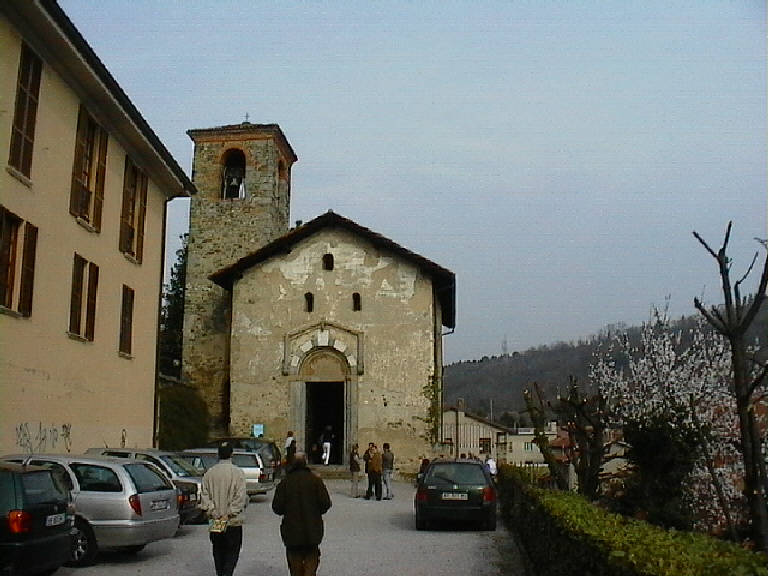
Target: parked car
x=185 y=477
x=36 y=521
x=250 y=462
x=264 y=447
x=455 y=490
x=119 y=503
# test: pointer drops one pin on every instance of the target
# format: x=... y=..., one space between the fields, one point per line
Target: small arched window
x=357 y=303
x=309 y=302
x=327 y=261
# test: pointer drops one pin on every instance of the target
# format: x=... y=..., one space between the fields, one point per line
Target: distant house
x=82 y=210
x=464 y=433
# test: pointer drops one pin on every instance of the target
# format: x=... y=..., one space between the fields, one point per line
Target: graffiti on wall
x=36 y=437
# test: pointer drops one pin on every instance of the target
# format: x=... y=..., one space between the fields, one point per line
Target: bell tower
x=243 y=176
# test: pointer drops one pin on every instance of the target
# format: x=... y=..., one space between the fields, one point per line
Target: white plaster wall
x=396 y=321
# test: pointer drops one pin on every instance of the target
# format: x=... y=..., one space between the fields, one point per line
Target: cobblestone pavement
x=361 y=538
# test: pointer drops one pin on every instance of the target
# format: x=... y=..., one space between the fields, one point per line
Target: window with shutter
x=88 y=172
x=17 y=263
x=25 y=112
x=133 y=212
x=82 y=311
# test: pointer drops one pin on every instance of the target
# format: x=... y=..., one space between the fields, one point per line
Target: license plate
x=55 y=519
x=192 y=497
x=160 y=505
x=454 y=496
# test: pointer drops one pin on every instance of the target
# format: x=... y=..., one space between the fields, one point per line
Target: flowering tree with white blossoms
x=732 y=320
x=681 y=378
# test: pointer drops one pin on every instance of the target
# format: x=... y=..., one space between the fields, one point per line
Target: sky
x=556 y=156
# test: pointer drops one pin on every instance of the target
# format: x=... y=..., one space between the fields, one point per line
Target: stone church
x=325 y=324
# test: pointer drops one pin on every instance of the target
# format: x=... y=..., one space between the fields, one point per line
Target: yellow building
x=468 y=434
x=82 y=210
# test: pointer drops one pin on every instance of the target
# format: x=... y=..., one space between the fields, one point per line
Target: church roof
x=444 y=280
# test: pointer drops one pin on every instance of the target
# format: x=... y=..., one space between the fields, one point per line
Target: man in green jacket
x=223 y=497
x=301 y=499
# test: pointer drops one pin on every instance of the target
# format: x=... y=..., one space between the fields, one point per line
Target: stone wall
x=388 y=346
x=220 y=232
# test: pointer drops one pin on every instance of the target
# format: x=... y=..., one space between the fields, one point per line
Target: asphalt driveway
x=361 y=538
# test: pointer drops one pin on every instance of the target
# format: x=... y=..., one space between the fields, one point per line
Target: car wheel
x=84 y=545
x=421 y=522
x=490 y=522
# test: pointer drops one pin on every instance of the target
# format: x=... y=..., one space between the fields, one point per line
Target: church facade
x=327 y=325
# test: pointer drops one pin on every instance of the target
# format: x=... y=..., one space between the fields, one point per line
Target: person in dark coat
x=301 y=499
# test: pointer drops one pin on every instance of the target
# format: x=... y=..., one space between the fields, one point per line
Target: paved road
x=362 y=537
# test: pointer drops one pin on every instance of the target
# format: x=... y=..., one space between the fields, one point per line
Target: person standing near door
x=354 y=469
x=374 y=474
x=326 y=438
x=387 y=468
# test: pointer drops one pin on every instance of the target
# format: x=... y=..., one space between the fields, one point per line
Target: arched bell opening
x=233 y=174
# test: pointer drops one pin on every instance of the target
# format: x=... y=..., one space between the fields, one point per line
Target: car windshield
x=455 y=473
x=179 y=465
x=39 y=487
x=146 y=479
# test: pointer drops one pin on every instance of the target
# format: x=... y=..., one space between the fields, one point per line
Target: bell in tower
x=233 y=175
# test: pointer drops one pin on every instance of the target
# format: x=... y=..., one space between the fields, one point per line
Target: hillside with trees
x=500 y=380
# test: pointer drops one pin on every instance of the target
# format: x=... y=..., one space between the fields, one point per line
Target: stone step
x=335 y=472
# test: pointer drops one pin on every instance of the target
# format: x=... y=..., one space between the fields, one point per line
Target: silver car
x=184 y=475
x=119 y=503
x=249 y=462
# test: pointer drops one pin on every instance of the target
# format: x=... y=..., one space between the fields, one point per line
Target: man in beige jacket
x=223 y=497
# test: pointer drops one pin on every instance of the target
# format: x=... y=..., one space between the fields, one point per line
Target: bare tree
x=537 y=410
x=586 y=423
x=732 y=321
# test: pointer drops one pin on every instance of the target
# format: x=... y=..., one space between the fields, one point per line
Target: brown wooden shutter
x=7 y=249
x=81 y=141
x=76 y=299
x=101 y=172
x=142 y=213
x=126 y=320
x=90 y=313
x=28 y=269
x=129 y=186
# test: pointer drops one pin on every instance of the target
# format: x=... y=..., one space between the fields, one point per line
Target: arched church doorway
x=325 y=374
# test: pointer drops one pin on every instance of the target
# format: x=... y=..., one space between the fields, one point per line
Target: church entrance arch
x=326 y=378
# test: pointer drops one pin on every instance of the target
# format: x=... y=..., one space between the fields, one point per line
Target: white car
x=249 y=462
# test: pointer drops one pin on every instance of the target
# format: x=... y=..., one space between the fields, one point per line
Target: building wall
x=462 y=434
x=220 y=232
x=58 y=393
x=388 y=346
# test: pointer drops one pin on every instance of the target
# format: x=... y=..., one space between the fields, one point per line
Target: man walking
x=224 y=499
x=301 y=499
x=387 y=467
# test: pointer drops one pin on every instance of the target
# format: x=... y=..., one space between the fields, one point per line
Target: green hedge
x=564 y=534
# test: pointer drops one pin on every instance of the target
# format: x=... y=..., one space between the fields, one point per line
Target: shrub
x=565 y=534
